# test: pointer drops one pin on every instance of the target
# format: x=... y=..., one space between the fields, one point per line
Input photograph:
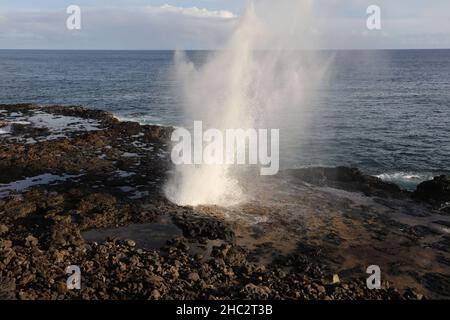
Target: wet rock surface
x=69 y=172
x=350 y=179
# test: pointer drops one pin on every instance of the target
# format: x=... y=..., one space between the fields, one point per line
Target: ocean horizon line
x=221 y=49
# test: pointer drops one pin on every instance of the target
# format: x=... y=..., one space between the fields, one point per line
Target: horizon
x=222 y=49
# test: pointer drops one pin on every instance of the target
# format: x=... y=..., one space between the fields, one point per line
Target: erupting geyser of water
x=260 y=74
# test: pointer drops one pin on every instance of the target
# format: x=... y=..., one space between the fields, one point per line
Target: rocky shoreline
x=79 y=187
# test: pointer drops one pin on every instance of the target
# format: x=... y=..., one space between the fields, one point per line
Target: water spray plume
x=260 y=74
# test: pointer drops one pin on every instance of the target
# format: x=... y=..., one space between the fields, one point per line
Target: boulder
x=435 y=192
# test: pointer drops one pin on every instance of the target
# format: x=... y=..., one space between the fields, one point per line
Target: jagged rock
x=252 y=291
x=7 y=289
x=31 y=241
x=436 y=191
x=5 y=244
x=155 y=280
x=411 y=294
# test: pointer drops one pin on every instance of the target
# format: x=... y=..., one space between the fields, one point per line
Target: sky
x=206 y=24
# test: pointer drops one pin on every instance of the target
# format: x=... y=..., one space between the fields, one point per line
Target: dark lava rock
x=7 y=289
x=436 y=191
x=31 y=241
x=350 y=179
x=411 y=294
x=443 y=245
x=437 y=282
x=18 y=128
x=443 y=223
x=41 y=227
x=254 y=292
x=422 y=231
x=443 y=260
x=204 y=227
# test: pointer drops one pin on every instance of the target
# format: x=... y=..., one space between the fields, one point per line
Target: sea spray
x=261 y=74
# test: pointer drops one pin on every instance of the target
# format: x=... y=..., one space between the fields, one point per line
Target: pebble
x=3 y=229
x=193 y=276
x=336 y=279
x=155 y=295
x=130 y=243
x=31 y=241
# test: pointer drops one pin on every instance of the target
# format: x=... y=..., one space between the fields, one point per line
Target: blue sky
x=206 y=24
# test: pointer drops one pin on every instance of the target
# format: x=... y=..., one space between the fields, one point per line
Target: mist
x=262 y=79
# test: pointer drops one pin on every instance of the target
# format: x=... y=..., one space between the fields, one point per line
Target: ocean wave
x=406 y=180
x=142 y=120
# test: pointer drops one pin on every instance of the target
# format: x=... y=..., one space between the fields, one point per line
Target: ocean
x=385 y=112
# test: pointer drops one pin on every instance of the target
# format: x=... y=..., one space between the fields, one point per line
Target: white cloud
x=149 y=27
x=337 y=24
x=194 y=12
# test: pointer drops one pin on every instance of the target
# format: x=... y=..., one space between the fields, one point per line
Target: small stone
x=320 y=289
x=198 y=256
x=3 y=229
x=336 y=279
x=155 y=280
x=59 y=256
x=61 y=287
x=5 y=244
x=130 y=243
x=412 y=294
x=256 y=292
x=193 y=276
x=7 y=288
x=31 y=241
x=155 y=295
x=174 y=272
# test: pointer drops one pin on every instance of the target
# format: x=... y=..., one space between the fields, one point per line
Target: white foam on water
x=5 y=130
x=57 y=123
x=20 y=122
x=406 y=180
x=129 y=155
x=142 y=120
x=124 y=174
